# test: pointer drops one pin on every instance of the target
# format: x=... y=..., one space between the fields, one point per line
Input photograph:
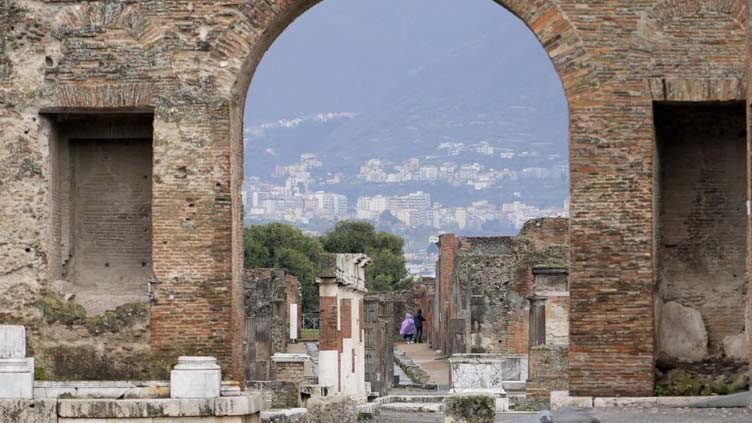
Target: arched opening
x=498 y=104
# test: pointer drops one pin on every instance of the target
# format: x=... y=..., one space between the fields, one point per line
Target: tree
x=387 y=272
x=279 y=245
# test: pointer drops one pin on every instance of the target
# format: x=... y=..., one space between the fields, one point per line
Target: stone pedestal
x=196 y=377
x=290 y=367
x=483 y=374
x=17 y=378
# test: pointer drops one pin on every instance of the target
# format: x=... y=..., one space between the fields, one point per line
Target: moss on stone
x=681 y=383
x=39 y=373
x=470 y=408
x=56 y=309
x=114 y=320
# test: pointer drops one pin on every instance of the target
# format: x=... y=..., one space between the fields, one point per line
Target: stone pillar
x=16 y=371
x=537 y=321
x=341 y=347
x=196 y=377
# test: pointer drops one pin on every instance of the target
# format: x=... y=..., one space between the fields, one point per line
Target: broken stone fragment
x=681 y=332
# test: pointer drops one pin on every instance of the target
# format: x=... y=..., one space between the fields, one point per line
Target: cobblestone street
x=647 y=415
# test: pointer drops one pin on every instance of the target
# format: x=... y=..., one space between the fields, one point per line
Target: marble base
x=196 y=377
x=17 y=378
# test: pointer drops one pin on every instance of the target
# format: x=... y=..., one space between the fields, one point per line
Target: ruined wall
x=701 y=239
x=191 y=64
x=267 y=328
x=548 y=372
x=342 y=354
x=492 y=279
x=423 y=292
x=379 y=343
x=445 y=268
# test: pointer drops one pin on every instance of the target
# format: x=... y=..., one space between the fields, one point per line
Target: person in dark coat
x=419 y=326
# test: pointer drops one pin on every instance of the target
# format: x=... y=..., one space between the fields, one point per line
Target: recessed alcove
x=101 y=197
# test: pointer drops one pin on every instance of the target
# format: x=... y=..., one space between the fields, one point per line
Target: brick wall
x=328 y=334
x=192 y=67
x=491 y=280
x=290 y=372
x=345 y=310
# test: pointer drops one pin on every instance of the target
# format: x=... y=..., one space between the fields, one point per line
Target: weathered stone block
x=477 y=372
x=337 y=408
x=561 y=399
x=469 y=409
x=12 y=341
x=28 y=411
x=681 y=332
x=17 y=378
x=292 y=415
x=196 y=377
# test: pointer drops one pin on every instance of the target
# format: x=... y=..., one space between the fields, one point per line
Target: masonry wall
x=268 y=327
x=423 y=292
x=379 y=343
x=702 y=242
x=191 y=65
x=548 y=372
x=492 y=279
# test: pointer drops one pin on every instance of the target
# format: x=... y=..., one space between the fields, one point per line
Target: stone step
x=413 y=407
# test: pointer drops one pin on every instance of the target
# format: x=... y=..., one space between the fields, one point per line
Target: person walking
x=419 y=319
x=408 y=328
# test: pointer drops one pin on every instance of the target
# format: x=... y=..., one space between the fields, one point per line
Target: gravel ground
x=605 y=415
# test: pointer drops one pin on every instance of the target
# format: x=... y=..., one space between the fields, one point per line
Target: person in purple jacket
x=408 y=328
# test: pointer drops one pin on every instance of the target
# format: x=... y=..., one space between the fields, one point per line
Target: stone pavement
x=426 y=358
x=605 y=415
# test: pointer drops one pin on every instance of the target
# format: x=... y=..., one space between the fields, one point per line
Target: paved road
x=613 y=415
x=426 y=358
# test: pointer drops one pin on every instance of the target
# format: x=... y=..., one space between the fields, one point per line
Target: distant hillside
x=477 y=93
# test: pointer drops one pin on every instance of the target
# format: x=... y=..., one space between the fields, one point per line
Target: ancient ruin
x=484 y=286
x=116 y=268
x=342 y=345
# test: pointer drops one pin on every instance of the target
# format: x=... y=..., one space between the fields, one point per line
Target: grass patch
x=309 y=335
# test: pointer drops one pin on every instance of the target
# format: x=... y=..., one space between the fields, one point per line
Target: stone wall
x=379 y=343
x=491 y=280
x=238 y=409
x=423 y=292
x=268 y=328
x=191 y=65
x=702 y=246
x=548 y=372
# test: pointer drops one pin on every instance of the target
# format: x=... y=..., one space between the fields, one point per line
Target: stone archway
x=244 y=42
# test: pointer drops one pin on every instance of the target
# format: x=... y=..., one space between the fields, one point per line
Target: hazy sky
x=343 y=54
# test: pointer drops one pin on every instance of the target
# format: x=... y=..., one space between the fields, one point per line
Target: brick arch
x=666 y=10
x=252 y=29
x=246 y=39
